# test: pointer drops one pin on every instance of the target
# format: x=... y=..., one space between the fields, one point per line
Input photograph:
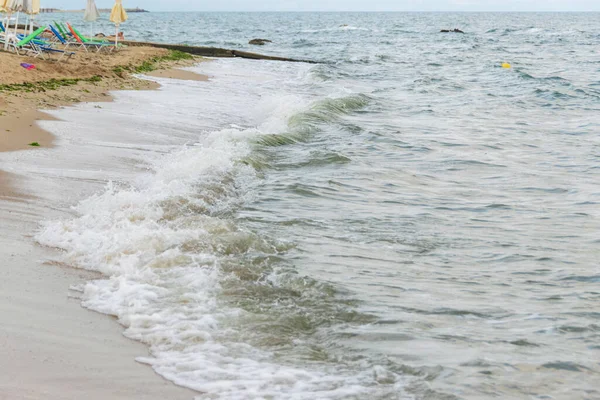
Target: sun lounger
x=61 y=38
x=67 y=41
x=40 y=46
x=61 y=29
x=37 y=41
x=86 y=39
x=89 y=43
x=36 y=48
x=26 y=44
x=51 y=50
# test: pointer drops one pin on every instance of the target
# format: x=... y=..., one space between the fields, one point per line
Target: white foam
x=338 y=28
x=151 y=234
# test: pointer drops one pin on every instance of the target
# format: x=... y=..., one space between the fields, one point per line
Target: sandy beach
x=52 y=347
x=86 y=77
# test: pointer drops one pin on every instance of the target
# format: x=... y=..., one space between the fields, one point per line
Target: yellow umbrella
x=3 y=7
x=35 y=7
x=2 y=10
x=117 y=17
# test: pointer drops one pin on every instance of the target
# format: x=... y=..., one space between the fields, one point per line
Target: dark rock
x=214 y=52
x=454 y=31
x=259 y=42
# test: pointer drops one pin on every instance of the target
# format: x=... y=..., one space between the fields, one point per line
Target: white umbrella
x=11 y=7
x=25 y=8
x=91 y=14
x=31 y=8
x=118 y=16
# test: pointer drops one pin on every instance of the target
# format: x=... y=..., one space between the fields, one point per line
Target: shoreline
x=53 y=347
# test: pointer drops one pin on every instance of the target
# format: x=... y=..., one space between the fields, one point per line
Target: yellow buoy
x=506 y=65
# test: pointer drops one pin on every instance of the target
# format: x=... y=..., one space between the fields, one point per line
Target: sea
x=404 y=219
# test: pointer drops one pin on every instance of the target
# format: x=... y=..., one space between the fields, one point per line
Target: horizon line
x=383 y=11
x=356 y=11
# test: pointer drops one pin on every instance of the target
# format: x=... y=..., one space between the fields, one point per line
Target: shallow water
x=406 y=220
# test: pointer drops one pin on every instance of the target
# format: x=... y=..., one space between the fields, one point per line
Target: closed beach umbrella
x=91 y=14
x=3 y=6
x=31 y=8
x=117 y=17
x=11 y=7
x=14 y=6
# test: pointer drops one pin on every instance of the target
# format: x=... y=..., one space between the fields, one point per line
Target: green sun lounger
x=89 y=40
x=97 y=45
x=61 y=29
x=36 y=49
x=29 y=38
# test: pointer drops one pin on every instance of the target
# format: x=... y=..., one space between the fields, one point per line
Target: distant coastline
x=104 y=10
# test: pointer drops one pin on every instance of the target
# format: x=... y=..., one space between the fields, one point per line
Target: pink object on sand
x=28 y=67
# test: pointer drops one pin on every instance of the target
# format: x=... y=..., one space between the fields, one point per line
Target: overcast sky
x=341 y=5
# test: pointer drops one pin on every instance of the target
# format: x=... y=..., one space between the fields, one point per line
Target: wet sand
x=17 y=132
x=52 y=348
x=176 y=73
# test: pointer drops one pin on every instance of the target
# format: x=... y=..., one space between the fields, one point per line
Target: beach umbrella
x=3 y=7
x=117 y=17
x=25 y=8
x=91 y=14
x=31 y=8
x=12 y=6
x=3 y=10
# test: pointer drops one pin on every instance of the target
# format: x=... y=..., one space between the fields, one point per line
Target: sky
x=341 y=5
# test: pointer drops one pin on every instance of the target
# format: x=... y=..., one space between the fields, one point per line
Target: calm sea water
x=406 y=220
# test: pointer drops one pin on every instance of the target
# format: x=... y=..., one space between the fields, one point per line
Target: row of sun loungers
x=52 y=40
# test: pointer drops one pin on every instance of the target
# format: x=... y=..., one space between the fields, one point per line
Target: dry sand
x=19 y=108
x=82 y=65
x=52 y=348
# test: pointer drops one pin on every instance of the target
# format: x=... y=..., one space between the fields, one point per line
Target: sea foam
x=162 y=238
